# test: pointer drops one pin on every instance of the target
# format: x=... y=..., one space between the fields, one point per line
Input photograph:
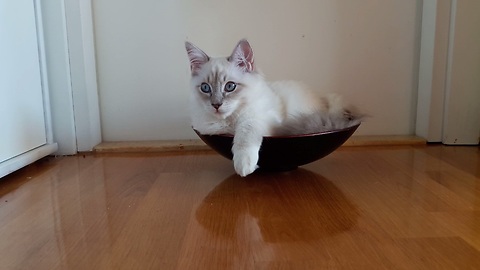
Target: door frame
x=440 y=98
x=71 y=62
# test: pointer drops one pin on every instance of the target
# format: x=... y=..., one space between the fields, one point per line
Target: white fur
x=256 y=108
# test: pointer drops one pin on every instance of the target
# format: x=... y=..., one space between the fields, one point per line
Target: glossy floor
x=359 y=208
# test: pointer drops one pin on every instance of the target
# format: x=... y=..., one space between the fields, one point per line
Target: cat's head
x=218 y=82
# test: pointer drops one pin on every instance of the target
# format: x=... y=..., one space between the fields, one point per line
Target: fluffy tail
x=334 y=115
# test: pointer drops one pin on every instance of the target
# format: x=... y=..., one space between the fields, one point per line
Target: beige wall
x=367 y=51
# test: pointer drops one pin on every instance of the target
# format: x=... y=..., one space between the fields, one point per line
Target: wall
x=367 y=51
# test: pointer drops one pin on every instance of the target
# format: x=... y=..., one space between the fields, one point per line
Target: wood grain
x=402 y=207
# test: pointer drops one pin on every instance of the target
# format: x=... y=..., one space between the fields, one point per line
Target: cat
x=230 y=96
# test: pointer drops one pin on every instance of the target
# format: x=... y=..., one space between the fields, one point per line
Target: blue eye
x=230 y=86
x=205 y=88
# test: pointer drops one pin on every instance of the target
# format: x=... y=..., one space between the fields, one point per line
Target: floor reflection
x=294 y=206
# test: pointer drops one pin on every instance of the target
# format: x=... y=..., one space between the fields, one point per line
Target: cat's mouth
x=219 y=113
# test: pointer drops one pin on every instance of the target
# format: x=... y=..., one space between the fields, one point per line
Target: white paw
x=245 y=161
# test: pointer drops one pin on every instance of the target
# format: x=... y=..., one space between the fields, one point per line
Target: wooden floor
x=359 y=208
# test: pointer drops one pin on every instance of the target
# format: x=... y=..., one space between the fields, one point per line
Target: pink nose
x=216 y=105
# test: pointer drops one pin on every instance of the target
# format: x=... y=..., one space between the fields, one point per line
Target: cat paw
x=245 y=162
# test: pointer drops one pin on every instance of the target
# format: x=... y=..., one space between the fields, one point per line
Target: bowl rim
x=288 y=136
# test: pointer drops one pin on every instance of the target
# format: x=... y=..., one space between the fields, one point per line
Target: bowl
x=283 y=153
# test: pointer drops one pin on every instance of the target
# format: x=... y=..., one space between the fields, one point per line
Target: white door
x=22 y=114
x=25 y=125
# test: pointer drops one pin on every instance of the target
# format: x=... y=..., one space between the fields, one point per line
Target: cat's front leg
x=245 y=160
x=246 y=145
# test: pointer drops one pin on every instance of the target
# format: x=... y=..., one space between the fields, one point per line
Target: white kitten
x=230 y=96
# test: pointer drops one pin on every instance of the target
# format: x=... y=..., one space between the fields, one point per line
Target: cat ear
x=197 y=57
x=242 y=56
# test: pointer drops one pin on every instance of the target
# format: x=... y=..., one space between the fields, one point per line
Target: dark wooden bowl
x=283 y=153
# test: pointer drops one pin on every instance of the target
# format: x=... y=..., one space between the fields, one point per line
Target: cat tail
x=333 y=115
x=343 y=115
x=353 y=116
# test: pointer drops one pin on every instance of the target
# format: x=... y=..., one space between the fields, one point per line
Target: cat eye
x=230 y=86
x=205 y=88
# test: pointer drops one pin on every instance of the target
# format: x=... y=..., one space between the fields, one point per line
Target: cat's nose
x=216 y=105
